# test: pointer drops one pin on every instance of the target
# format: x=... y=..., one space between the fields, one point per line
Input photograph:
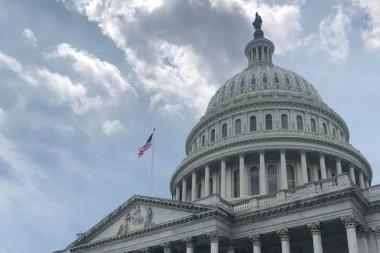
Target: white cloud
x=371 y=36
x=110 y=127
x=284 y=20
x=29 y=35
x=56 y=89
x=333 y=33
x=100 y=77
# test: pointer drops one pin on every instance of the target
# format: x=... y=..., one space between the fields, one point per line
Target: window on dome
x=272 y=179
x=253 y=80
x=232 y=87
x=313 y=125
x=242 y=83
x=252 y=124
x=334 y=133
x=268 y=122
x=224 y=130
x=212 y=135
x=199 y=191
x=324 y=128
x=309 y=174
x=259 y=53
x=284 y=121
x=203 y=140
x=265 y=79
x=291 y=176
x=319 y=175
x=254 y=180
x=299 y=123
x=211 y=186
x=195 y=145
x=237 y=127
x=341 y=135
x=287 y=80
x=276 y=80
x=236 y=184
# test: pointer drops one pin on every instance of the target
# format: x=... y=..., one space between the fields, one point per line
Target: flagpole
x=152 y=165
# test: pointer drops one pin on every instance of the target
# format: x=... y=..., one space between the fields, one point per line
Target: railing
x=308 y=190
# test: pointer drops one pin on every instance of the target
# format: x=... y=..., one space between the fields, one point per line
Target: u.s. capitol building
x=269 y=168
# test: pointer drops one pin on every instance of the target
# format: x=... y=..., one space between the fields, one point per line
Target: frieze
x=139 y=217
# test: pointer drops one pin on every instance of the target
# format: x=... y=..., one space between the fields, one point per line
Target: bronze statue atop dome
x=257 y=25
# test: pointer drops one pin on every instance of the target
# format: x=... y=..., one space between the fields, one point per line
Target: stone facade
x=269 y=168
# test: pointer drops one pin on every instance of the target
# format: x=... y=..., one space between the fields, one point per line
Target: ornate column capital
x=255 y=240
x=189 y=241
x=213 y=236
x=166 y=245
x=315 y=228
x=144 y=250
x=361 y=231
x=377 y=232
x=284 y=234
x=349 y=221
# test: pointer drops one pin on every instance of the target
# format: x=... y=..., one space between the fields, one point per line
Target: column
x=361 y=181
x=256 y=243
x=362 y=240
x=242 y=178
x=377 y=234
x=193 y=186
x=285 y=244
x=223 y=178
x=350 y=225
x=315 y=229
x=207 y=180
x=283 y=174
x=214 y=242
x=177 y=193
x=189 y=244
x=304 y=167
x=167 y=247
x=184 y=189
x=352 y=173
x=322 y=165
x=339 y=166
x=263 y=174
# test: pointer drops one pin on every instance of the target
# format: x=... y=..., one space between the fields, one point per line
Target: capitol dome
x=266 y=129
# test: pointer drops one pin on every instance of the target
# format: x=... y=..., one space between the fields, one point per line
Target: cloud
x=55 y=89
x=371 y=36
x=111 y=127
x=333 y=34
x=29 y=35
x=100 y=77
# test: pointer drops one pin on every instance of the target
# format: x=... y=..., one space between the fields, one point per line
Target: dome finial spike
x=257 y=26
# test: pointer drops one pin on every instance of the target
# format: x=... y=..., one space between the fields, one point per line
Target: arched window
x=236 y=184
x=287 y=80
x=237 y=127
x=254 y=180
x=313 y=125
x=232 y=87
x=324 y=128
x=284 y=121
x=276 y=80
x=265 y=79
x=252 y=124
x=291 y=176
x=272 y=178
x=212 y=135
x=203 y=140
x=253 y=80
x=242 y=83
x=268 y=122
x=299 y=123
x=224 y=130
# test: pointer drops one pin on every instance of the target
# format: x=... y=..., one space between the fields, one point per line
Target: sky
x=84 y=82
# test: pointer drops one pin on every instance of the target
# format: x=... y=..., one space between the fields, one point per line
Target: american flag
x=146 y=146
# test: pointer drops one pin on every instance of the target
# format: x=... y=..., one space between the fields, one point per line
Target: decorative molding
x=213 y=236
x=284 y=234
x=135 y=219
x=255 y=240
x=315 y=228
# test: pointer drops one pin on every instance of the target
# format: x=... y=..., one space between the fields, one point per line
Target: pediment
x=137 y=214
x=141 y=216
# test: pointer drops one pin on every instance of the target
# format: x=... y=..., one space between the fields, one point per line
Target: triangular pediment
x=137 y=214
